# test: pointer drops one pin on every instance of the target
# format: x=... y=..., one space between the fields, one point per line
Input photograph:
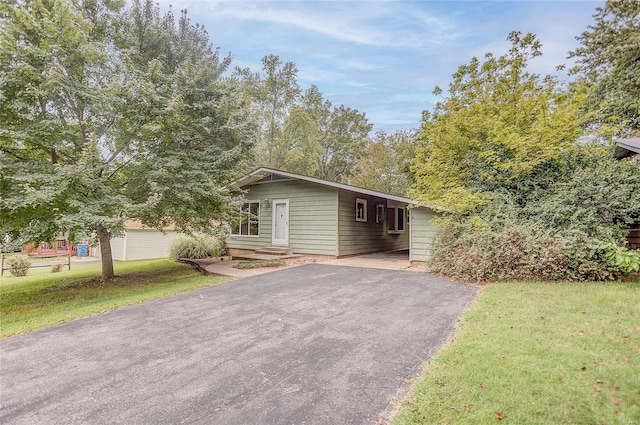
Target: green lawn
x=43 y=298
x=536 y=353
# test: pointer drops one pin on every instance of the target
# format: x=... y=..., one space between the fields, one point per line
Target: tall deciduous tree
x=301 y=131
x=109 y=114
x=343 y=140
x=609 y=58
x=275 y=91
x=498 y=126
x=386 y=161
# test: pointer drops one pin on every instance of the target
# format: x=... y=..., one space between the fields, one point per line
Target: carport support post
x=69 y=260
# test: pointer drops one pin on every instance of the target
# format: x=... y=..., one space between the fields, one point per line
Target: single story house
x=142 y=243
x=308 y=215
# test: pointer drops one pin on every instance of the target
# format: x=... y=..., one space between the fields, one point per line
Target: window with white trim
x=396 y=219
x=361 y=209
x=248 y=223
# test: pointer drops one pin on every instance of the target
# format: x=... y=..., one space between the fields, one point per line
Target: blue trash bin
x=83 y=250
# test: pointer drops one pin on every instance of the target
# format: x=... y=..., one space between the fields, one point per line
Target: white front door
x=280 y=229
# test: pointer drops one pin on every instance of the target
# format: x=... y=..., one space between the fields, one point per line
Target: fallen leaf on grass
x=499 y=415
x=468 y=409
x=616 y=402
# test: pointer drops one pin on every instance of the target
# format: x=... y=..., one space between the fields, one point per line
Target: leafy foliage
x=609 y=59
x=196 y=247
x=301 y=131
x=109 y=114
x=572 y=231
x=18 y=265
x=385 y=163
x=498 y=126
x=622 y=258
x=529 y=198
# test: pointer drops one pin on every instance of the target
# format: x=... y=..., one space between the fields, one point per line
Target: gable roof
x=265 y=173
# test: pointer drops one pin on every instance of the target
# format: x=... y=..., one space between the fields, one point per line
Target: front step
x=275 y=250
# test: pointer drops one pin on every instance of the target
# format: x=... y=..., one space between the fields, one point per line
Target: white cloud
x=383 y=24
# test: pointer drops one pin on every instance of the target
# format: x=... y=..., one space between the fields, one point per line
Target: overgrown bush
x=518 y=251
x=573 y=229
x=18 y=265
x=195 y=247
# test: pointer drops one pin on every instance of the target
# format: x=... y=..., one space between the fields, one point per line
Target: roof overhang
x=628 y=146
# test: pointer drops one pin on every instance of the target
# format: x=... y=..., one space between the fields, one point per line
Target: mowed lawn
x=43 y=298
x=537 y=353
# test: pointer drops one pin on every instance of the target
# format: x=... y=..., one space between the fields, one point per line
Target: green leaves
x=110 y=114
x=499 y=124
x=620 y=257
x=608 y=59
x=300 y=131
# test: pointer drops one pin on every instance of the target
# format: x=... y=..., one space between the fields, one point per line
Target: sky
x=384 y=58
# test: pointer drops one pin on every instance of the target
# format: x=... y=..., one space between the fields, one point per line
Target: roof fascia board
x=630 y=144
x=342 y=186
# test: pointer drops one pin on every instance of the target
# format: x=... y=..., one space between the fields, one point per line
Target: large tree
x=498 y=126
x=301 y=131
x=109 y=114
x=385 y=163
x=609 y=59
x=274 y=92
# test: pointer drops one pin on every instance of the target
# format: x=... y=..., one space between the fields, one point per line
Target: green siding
x=359 y=237
x=422 y=233
x=312 y=216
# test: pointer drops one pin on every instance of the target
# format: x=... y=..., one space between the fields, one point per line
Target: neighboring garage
x=141 y=243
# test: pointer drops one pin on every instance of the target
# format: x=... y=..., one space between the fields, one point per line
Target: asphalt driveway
x=315 y=344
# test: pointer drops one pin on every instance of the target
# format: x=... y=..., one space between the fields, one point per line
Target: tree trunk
x=104 y=236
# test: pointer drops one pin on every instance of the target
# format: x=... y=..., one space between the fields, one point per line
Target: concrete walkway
x=391 y=260
x=315 y=345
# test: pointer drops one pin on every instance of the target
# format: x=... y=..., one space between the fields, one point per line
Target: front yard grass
x=34 y=302
x=537 y=353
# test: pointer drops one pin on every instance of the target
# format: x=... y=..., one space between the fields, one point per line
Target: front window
x=361 y=209
x=396 y=219
x=248 y=223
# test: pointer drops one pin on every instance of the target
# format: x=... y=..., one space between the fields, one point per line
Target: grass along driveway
x=40 y=300
x=537 y=353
